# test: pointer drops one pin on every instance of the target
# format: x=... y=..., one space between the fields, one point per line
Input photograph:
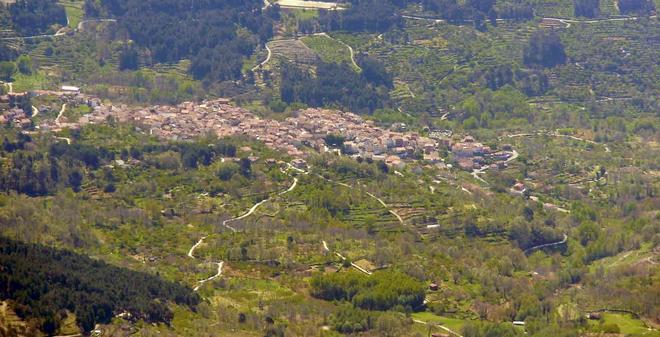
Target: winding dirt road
x=548 y=244
x=343 y=258
x=59 y=115
x=385 y=205
x=270 y=54
x=477 y=172
x=218 y=274
x=247 y=214
x=350 y=49
x=220 y=264
x=60 y=32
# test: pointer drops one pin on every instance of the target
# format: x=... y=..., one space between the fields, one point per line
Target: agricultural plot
x=328 y=49
x=293 y=51
x=74 y=11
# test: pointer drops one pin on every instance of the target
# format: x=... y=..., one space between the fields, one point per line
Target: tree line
x=382 y=290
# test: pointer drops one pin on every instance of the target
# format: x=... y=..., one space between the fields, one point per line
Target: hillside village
x=306 y=129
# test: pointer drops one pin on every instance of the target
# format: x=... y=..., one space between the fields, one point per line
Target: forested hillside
x=43 y=282
x=204 y=31
x=32 y=17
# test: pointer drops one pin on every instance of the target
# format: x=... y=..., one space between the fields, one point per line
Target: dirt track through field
x=220 y=264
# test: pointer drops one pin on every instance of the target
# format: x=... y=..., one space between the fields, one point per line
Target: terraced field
x=292 y=51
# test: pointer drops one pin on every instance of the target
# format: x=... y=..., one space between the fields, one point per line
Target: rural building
x=70 y=89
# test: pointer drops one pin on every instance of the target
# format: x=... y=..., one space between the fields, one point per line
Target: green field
x=629 y=326
x=329 y=49
x=74 y=11
x=454 y=324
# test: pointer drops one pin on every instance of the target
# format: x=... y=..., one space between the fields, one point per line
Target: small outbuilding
x=70 y=89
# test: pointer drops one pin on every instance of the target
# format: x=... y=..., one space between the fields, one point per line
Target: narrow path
x=57 y=119
x=548 y=244
x=270 y=53
x=218 y=274
x=350 y=49
x=82 y=23
x=9 y=84
x=225 y=223
x=247 y=214
x=387 y=207
x=60 y=32
x=192 y=249
x=295 y=182
x=343 y=258
x=369 y=194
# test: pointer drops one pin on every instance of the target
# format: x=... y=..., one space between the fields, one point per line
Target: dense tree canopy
x=337 y=85
x=43 y=280
x=545 y=49
x=587 y=8
x=636 y=6
x=380 y=291
x=215 y=35
x=32 y=17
